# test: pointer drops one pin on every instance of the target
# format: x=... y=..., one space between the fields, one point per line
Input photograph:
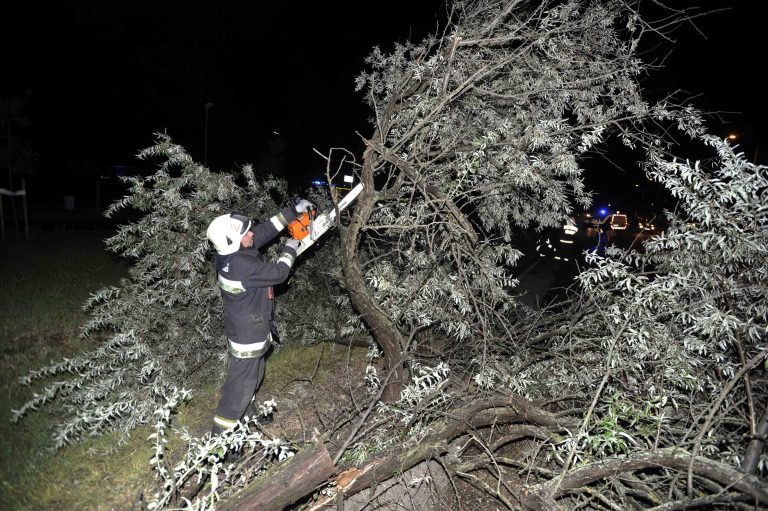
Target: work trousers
x=244 y=376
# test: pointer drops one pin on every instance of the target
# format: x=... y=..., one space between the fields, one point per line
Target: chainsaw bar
x=324 y=222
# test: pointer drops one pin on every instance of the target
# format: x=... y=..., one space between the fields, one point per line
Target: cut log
x=295 y=479
x=313 y=466
x=354 y=480
x=476 y=413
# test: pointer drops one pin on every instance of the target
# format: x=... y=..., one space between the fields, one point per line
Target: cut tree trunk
x=296 y=479
x=475 y=414
x=313 y=467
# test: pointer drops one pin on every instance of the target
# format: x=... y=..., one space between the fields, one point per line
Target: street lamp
x=205 y=149
x=736 y=136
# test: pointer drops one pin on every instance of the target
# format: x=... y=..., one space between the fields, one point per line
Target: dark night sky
x=104 y=76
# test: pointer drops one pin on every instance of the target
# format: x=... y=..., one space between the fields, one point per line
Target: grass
x=294 y=363
x=45 y=282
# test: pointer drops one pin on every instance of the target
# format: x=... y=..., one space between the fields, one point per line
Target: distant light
x=348 y=178
x=318 y=182
x=731 y=136
x=618 y=221
x=603 y=211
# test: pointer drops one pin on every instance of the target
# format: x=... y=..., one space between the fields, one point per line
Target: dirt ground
x=309 y=404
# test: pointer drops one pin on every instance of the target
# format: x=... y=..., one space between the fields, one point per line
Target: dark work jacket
x=248 y=299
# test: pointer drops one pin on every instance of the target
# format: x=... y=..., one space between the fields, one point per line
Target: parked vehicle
x=617 y=221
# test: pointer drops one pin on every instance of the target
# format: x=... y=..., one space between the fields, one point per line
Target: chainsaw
x=309 y=227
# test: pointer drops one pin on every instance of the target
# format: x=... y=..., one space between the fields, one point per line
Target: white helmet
x=226 y=232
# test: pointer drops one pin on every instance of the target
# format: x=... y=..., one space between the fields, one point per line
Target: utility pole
x=10 y=178
x=205 y=143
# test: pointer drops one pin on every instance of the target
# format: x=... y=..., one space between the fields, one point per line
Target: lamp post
x=205 y=144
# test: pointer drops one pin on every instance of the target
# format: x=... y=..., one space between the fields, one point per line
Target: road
x=545 y=272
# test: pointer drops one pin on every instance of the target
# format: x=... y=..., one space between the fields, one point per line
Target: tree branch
x=669 y=458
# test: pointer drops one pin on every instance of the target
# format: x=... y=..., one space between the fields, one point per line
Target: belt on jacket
x=252 y=350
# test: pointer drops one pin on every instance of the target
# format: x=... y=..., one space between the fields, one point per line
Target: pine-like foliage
x=163 y=323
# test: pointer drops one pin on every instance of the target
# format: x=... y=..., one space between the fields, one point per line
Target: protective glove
x=294 y=244
x=303 y=206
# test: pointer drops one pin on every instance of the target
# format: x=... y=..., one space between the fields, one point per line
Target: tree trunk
x=355 y=480
x=383 y=329
x=755 y=447
x=296 y=479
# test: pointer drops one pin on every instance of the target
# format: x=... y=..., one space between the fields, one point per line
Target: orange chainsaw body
x=299 y=228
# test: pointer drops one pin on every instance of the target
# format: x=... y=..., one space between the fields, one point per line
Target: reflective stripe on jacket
x=246 y=279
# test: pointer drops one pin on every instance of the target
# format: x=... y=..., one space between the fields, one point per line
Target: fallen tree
x=298 y=477
x=645 y=390
x=477 y=133
x=470 y=444
x=646 y=387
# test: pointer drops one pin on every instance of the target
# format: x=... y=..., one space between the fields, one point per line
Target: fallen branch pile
x=499 y=446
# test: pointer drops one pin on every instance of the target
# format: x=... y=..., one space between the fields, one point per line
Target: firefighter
x=245 y=280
